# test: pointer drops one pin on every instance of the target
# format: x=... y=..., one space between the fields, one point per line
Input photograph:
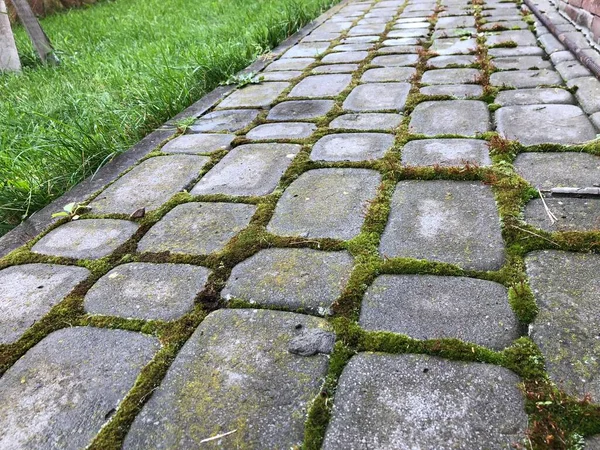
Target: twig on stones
x=535 y=234
x=552 y=217
x=218 y=436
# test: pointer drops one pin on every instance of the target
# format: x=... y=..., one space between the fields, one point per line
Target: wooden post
x=9 y=58
x=35 y=32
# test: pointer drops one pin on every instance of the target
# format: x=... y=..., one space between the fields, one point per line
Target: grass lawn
x=127 y=66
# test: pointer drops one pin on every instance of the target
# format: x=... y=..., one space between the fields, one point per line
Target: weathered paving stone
x=360 y=40
x=587 y=93
x=368 y=121
x=377 y=97
x=572 y=69
x=252 y=169
x=352 y=146
x=592 y=442
x=290 y=64
x=522 y=38
x=388 y=74
x=64 y=389
x=446 y=152
x=447 y=221
x=300 y=110
x=521 y=63
x=199 y=143
x=516 y=51
x=550 y=170
x=454 y=32
x=228 y=120
x=504 y=24
x=433 y=118
x=455 y=22
x=566 y=289
x=458 y=91
x=147 y=291
x=321 y=36
x=361 y=30
x=149 y=185
x=254 y=95
x=237 y=372
x=418 y=33
x=325 y=203
x=280 y=76
x=335 y=68
x=572 y=214
x=434 y=307
x=86 y=239
x=400 y=41
x=559 y=57
x=451 y=76
x=197 y=228
x=534 y=97
x=411 y=25
x=399 y=49
x=525 y=78
x=29 y=291
x=284 y=130
x=441 y=62
x=306 y=50
x=352 y=47
x=298 y=278
x=454 y=46
x=419 y=401
x=328 y=85
x=345 y=57
x=395 y=60
x=560 y=124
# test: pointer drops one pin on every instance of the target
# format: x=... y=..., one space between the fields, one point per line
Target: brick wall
x=585 y=13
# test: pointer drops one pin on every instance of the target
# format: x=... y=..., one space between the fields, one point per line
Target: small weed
x=242 y=79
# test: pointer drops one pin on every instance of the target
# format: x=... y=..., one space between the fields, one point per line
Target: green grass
x=127 y=66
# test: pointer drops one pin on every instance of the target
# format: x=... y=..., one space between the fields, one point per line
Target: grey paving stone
x=523 y=38
x=399 y=50
x=434 y=118
x=345 y=57
x=419 y=401
x=550 y=170
x=359 y=47
x=592 y=442
x=252 y=169
x=587 y=93
x=306 y=50
x=368 y=121
x=199 y=143
x=454 y=46
x=551 y=44
x=418 y=33
x=321 y=36
x=280 y=76
x=360 y=39
x=570 y=70
x=504 y=25
x=377 y=97
x=515 y=51
x=284 y=130
x=228 y=120
x=563 y=56
x=447 y=221
x=361 y=30
x=450 y=76
x=290 y=64
x=335 y=68
x=297 y=279
x=86 y=239
x=534 y=97
x=197 y=228
x=395 y=60
x=525 y=78
x=411 y=25
x=328 y=85
x=446 y=152
x=388 y=74
x=435 y=307
x=441 y=62
x=521 y=63
x=325 y=203
x=147 y=291
x=566 y=290
x=300 y=110
x=352 y=146
x=561 y=124
x=254 y=95
x=572 y=214
x=400 y=42
x=455 y=22
x=63 y=390
x=454 y=32
x=149 y=185
x=458 y=91
x=595 y=118
x=29 y=291
x=235 y=373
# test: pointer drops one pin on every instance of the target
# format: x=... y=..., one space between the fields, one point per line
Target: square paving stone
x=525 y=78
x=441 y=62
x=86 y=239
x=377 y=97
x=454 y=46
x=451 y=76
x=559 y=124
x=229 y=120
x=463 y=117
x=534 y=97
x=197 y=228
x=368 y=121
x=587 y=93
x=62 y=391
x=566 y=289
x=455 y=32
x=352 y=146
x=236 y=372
x=290 y=64
x=561 y=169
x=399 y=49
x=335 y=68
x=321 y=36
x=435 y=307
x=366 y=29
x=284 y=130
x=345 y=57
x=254 y=95
x=297 y=279
x=252 y=169
x=400 y=41
x=417 y=33
x=325 y=203
x=395 y=60
x=419 y=401
x=446 y=152
x=199 y=143
x=522 y=38
x=300 y=110
x=360 y=40
x=328 y=85
x=515 y=51
x=572 y=69
x=147 y=291
x=388 y=74
x=572 y=214
x=458 y=91
x=306 y=50
x=29 y=291
x=453 y=222
x=149 y=185
x=455 y=22
x=280 y=76
x=353 y=47
x=521 y=63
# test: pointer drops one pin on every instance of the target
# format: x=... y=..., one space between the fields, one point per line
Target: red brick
x=573 y=13
x=576 y=3
x=596 y=29
x=592 y=6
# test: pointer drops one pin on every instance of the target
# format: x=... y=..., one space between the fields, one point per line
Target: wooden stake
x=9 y=58
x=34 y=30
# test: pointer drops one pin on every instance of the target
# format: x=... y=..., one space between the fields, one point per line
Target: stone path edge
x=41 y=220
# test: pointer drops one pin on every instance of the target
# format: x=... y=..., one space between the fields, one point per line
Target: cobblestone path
x=372 y=248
